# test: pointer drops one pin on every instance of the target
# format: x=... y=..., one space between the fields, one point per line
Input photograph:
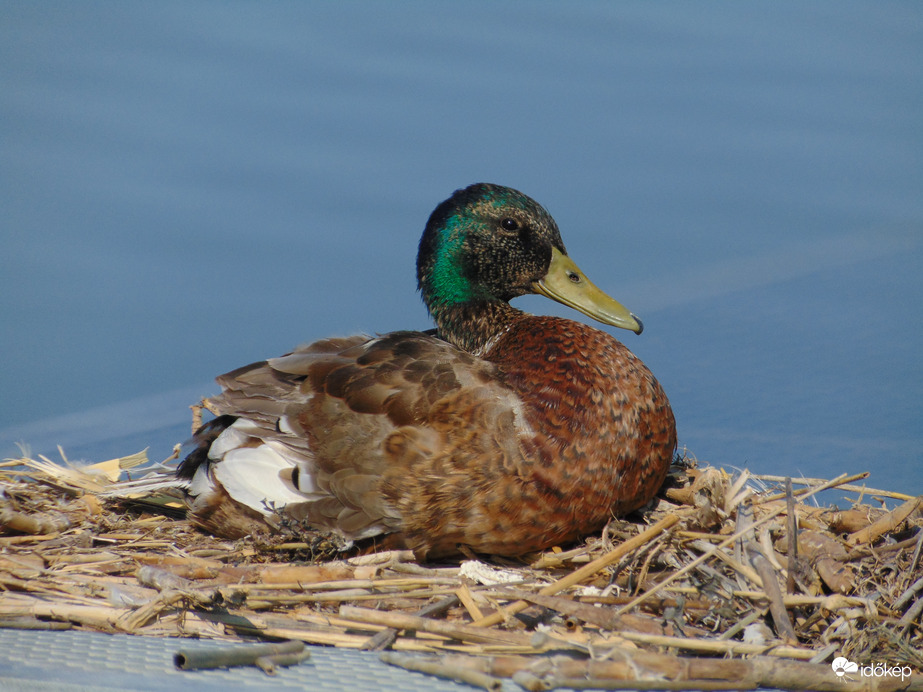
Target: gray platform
x=75 y=661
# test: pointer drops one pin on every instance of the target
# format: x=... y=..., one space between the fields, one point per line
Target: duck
x=498 y=432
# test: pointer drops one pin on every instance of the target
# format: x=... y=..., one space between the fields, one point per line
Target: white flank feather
x=230 y=438
x=254 y=477
x=201 y=483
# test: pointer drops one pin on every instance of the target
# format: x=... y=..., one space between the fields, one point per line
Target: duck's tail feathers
x=203 y=439
x=171 y=482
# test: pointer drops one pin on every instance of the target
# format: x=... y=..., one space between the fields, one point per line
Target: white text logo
x=842 y=666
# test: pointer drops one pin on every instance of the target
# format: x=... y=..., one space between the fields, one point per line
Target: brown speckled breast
x=592 y=436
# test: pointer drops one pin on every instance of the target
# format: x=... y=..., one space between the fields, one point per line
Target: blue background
x=188 y=187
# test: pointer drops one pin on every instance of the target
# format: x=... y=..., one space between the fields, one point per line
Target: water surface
x=188 y=187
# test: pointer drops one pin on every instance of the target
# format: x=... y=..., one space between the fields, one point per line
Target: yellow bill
x=566 y=284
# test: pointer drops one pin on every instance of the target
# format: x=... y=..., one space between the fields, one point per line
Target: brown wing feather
x=358 y=416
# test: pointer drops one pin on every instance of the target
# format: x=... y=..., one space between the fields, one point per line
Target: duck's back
x=539 y=442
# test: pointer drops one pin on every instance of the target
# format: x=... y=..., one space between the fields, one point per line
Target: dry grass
x=729 y=582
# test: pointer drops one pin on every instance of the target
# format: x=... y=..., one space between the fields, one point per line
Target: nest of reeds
x=729 y=581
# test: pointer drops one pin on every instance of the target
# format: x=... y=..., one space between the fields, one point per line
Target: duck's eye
x=509 y=224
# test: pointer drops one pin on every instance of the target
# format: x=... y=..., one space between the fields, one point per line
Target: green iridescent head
x=489 y=243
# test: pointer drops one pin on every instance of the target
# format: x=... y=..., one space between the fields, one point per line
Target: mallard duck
x=499 y=430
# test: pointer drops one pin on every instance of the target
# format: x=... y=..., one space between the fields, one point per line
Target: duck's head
x=487 y=244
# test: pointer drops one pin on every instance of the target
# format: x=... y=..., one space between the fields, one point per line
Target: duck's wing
x=334 y=432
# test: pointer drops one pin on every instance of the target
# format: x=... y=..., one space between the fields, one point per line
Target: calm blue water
x=188 y=187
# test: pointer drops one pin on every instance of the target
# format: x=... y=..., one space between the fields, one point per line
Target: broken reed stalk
x=268 y=664
x=533 y=683
x=318 y=628
x=458 y=673
x=588 y=613
x=910 y=592
x=386 y=637
x=885 y=523
x=463 y=594
x=163 y=580
x=584 y=572
x=34 y=524
x=403 y=621
x=768 y=478
x=746 y=571
x=771 y=587
x=912 y=614
x=246 y=655
x=624 y=668
x=843 y=478
x=102 y=618
x=338 y=639
x=840 y=481
x=718 y=646
x=351 y=595
x=28 y=622
x=99 y=618
x=917 y=551
x=833 y=602
x=792 y=531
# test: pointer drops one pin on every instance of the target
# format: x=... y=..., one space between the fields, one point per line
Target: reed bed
x=728 y=581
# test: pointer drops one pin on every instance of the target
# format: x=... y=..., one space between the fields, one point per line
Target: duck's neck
x=473 y=326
